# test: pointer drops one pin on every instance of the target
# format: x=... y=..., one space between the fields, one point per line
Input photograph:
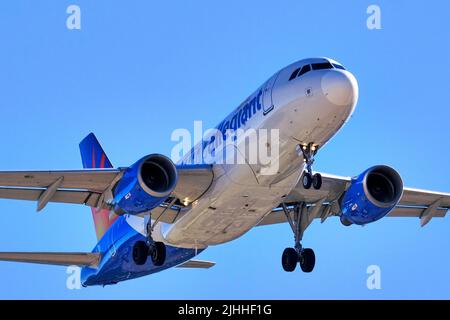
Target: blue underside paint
x=116 y=248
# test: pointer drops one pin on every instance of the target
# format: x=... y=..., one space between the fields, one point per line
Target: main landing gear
x=304 y=256
x=308 y=179
x=155 y=249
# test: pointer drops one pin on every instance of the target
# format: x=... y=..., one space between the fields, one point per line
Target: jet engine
x=371 y=195
x=145 y=185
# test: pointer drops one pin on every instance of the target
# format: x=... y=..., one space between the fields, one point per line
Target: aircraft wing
x=70 y=186
x=56 y=258
x=91 y=187
x=422 y=204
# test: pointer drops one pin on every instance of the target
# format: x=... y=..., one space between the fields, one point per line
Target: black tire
x=307 y=260
x=289 y=259
x=307 y=180
x=140 y=253
x=317 y=181
x=158 y=253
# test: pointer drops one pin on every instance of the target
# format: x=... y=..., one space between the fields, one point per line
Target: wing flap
x=423 y=204
x=278 y=216
x=55 y=258
x=415 y=212
x=424 y=198
x=61 y=196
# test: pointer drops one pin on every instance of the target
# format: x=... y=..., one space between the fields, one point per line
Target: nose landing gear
x=309 y=151
x=304 y=256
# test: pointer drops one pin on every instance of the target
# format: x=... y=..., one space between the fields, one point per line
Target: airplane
x=155 y=214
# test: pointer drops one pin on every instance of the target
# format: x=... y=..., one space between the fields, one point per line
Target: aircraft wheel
x=307 y=260
x=158 y=253
x=307 y=180
x=140 y=253
x=289 y=259
x=317 y=181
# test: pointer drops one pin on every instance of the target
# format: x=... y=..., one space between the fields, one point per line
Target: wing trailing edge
x=422 y=204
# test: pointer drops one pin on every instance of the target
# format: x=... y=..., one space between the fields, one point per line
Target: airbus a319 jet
x=155 y=214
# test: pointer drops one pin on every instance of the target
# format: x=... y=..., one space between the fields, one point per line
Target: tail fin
x=93 y=156
x=92 y=153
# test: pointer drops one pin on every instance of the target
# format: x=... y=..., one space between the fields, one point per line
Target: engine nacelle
x=145 y=185
x=371 y=196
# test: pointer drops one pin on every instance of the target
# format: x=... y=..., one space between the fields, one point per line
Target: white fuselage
x=308 y=109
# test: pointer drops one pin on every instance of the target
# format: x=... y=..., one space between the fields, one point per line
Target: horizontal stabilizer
x=56 y=258
x=197 y=264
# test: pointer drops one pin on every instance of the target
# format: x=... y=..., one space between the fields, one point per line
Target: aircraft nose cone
x=340 y=87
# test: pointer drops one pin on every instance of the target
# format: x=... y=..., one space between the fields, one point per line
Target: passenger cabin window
x=321 y=66
x=294 y=74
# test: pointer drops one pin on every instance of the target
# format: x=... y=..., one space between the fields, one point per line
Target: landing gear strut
x=304 y=256
x=155 y=249
x=309 y=151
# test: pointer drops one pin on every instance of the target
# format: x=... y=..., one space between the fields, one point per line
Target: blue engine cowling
x=371 y=195
x=145 y=185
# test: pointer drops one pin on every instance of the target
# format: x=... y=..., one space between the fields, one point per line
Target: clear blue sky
x=137 y=70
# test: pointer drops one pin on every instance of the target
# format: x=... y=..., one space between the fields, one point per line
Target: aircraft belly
x=226 y=213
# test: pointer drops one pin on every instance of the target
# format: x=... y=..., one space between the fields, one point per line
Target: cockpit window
x=315 y=66
x=294 y=74
x=304 y=70
x=338 y=66
x=300 y=71
x=321 y=66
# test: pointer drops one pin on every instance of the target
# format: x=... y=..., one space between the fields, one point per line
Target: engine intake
x=371 y=195
x=158 y=175
x=384 y=186
x=145 y=184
